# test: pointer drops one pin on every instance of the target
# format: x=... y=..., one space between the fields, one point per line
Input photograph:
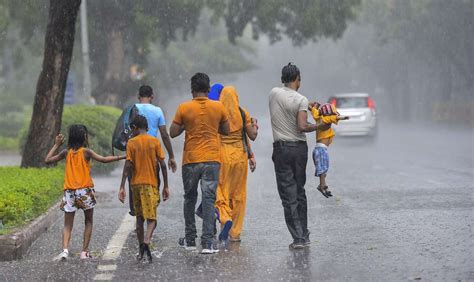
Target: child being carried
x=327 y=114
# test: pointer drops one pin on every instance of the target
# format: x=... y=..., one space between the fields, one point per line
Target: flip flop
x=322 y=192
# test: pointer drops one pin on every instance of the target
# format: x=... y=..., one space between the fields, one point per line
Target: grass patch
x=27 y=193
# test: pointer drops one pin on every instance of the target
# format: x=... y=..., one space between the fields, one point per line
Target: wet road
x=403 y=209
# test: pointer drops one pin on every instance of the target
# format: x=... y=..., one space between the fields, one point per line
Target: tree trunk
x=49 y=99
x=109 y=90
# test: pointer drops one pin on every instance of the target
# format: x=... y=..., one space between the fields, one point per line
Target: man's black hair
x=200 y=82
x=289 y=73
x=78 y=136
x=139 y=122
x=145 y=91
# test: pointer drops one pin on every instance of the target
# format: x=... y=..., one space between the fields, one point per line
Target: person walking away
x=202 y=120
x=156 y=122
x=289 y=119
x=78 y=185
x=143 y=153
x=324 y=138
x=232 y=189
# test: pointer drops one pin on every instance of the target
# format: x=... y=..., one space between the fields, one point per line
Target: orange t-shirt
x=201 y=118
x=144 y=151
x=78 y=171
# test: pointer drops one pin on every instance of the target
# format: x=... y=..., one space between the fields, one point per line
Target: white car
x=361 y=109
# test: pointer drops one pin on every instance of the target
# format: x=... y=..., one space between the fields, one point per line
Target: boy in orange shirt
x=144 y=152
x=327 y=114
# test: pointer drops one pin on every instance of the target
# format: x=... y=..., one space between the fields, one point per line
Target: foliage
x=27 y=193
x=100 y=122
x=302 y=21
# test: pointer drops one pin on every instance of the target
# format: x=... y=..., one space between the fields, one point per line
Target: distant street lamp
x=85 y=55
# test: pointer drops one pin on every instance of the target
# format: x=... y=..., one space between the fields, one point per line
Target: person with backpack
x=235 y=153
x=202 y=120
x=156 y=122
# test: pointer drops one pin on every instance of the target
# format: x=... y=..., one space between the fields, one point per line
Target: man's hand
x=172 y=165
x=252 y=164
x=59 y=140
x=122 y=194
x=165 y=194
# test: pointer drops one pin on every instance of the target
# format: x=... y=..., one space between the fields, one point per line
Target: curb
x=14 y=246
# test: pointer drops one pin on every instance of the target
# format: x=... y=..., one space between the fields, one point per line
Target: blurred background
x=415 y=58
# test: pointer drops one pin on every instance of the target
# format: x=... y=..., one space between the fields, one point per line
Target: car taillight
x=333 y=101
x=370 y=103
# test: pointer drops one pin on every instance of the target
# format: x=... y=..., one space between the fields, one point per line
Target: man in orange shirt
x=143 y=153
x=203 y=120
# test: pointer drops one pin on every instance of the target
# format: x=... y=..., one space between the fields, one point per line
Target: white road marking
x=107 y=267
x=114 y=248
x=103 y=277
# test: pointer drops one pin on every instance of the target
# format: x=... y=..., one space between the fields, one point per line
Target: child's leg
x=68 y=223
x=322 y=180
x=150 y=227
x=88 y=216
x=140 y=231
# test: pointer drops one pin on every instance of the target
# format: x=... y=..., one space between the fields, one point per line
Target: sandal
x=148 y=252
x=327 y=191
x=85 y=255
x=323 y=191
x=141 y=251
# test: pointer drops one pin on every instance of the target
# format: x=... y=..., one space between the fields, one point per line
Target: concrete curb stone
x=15 y=245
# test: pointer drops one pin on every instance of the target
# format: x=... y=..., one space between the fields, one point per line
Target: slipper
x=326 y=190
x=85 y=255
x=322 y=191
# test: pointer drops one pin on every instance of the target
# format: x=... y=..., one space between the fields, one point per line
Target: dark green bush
x=27 y=193
x=100 y=122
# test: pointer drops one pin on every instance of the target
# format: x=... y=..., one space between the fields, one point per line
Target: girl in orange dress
x=78 y=185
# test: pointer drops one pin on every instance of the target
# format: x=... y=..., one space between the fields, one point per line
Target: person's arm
x=305 y=126
x=224 y=128
x=108 y=159
x=176 y=130
x=252 y=129
x=169 y=148
x=164 y=172
x=126 y=170
x=50 y=157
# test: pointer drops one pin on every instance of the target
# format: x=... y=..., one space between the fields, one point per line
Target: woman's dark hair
x=289 y=73
x=139 y=122
x=145 y=91
x=200 y=82
x=78 y=136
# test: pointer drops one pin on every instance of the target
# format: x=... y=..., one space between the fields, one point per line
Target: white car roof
x=346 y=95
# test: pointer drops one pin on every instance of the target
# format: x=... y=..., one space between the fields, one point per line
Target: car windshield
x=351 y=102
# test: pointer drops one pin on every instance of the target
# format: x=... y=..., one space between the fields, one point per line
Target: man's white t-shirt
x=285 y=103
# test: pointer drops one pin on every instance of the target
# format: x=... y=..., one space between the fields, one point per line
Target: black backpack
x=123 y=132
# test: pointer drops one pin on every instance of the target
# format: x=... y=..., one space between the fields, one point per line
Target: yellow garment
x=78 y=170
x=201 y=119
x=232 y=189
x=230 y=99
x=323 y=134
x=145 y=200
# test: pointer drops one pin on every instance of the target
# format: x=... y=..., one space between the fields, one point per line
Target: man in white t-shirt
x=289 y=118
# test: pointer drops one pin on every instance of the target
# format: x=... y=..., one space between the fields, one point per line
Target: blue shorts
x=321 y=160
